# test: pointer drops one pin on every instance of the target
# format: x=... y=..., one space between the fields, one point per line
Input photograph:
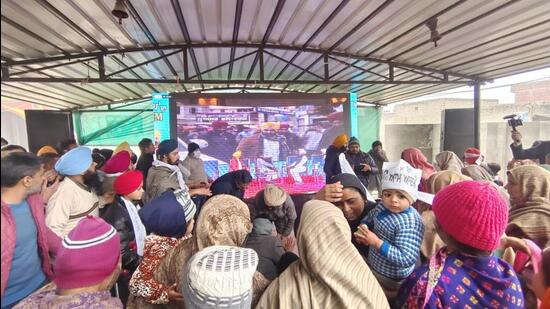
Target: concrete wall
x=419 y=125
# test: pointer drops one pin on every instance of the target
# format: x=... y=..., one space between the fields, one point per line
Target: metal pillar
x=477 y=113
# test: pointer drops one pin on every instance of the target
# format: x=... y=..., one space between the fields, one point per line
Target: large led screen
x=283 y=143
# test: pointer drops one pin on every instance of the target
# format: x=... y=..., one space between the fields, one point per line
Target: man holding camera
x=538 y=151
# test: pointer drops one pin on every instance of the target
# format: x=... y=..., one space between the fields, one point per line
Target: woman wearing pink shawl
x=418 y=160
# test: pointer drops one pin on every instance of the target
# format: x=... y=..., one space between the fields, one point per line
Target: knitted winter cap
x=118 y=163
x=340 y=141
x=274 y=196
x=353 y=140
x=220 y=277
x=128 y=182
x=88 y=255
x=473 y=213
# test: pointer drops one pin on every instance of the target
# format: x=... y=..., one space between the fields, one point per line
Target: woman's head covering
x=477 y=172
x=46 y=149
x=330 y=273
x=340 y=141
x=223 y=220
x=220 y=277
x=535 y=185
x=418 y=160
x=75 y=162
x=167 y=215
x=449 y=161
x=443 y=179
x=473 y=213
x=89 y=254
x=530 y=215
x=350 y=181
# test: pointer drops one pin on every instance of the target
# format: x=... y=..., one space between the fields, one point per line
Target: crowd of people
x=100 y=228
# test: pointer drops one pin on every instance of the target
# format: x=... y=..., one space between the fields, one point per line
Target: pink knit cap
x=88 y=255
x=473 y=213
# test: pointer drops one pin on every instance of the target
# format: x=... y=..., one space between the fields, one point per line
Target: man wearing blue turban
x=74 y=199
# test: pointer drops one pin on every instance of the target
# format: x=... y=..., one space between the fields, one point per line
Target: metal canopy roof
x=70 y=54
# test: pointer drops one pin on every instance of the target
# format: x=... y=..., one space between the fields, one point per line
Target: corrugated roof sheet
x=479 y=39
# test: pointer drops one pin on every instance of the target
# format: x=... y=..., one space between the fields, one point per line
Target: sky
x=499 y=89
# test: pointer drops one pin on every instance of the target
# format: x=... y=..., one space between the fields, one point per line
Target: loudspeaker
x=47 y=128
x=457 y=130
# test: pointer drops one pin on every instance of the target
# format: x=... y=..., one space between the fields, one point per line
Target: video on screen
x=282 y=145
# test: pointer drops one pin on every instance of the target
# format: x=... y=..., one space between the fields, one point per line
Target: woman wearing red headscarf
x=418 y=160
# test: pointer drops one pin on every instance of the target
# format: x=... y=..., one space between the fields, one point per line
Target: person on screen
x=195 y=165
x=243 y=132
x=333 y=128
x=299 y=167
x=267 y=144
x=312 y=139
x=221 y=143
x=236 y=163
x=292 y=140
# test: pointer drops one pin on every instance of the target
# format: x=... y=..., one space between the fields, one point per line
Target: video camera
x=514 y=121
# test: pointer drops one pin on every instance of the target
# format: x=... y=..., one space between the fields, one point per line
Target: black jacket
x=145 y=162
x=332 y=164
x=355 y=160
x=536 y=152
x=116 y=215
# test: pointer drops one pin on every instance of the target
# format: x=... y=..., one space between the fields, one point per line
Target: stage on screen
x=279 y=138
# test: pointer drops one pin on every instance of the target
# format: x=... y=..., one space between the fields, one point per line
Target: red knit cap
x=473 y=213
x=471 y=155
x=118 y=163
x=128 y=182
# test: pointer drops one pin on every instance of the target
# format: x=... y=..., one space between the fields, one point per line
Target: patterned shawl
x=330 y=273
x=223 y=220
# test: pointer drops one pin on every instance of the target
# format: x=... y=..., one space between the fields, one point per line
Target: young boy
x=393 y=230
